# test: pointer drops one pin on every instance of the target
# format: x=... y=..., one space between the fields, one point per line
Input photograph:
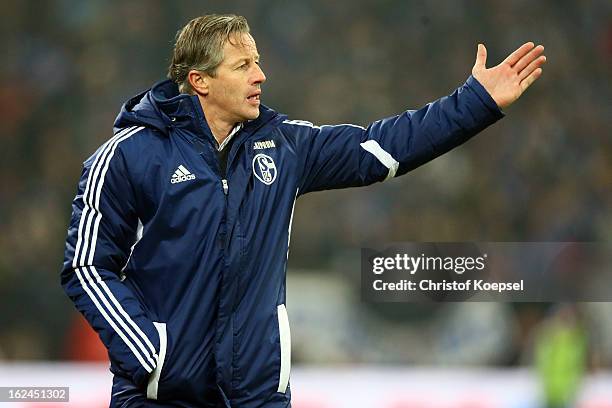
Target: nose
x=258 y=76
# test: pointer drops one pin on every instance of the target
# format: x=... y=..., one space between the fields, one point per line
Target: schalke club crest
x=264 y=168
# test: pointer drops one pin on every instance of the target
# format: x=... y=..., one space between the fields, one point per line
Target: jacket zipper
x=225 y=185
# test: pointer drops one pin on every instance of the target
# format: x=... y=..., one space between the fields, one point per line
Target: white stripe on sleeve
x=121 y=321
x=383 y=156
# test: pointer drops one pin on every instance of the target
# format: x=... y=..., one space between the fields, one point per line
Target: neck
x=218 y=124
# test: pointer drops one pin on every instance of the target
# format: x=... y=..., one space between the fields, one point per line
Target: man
x=179 y=238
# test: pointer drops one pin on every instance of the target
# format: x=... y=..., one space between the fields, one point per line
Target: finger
x=527 y=59
x=481 y=57
x=526 y=83
x=531 y=67
x=516 y=55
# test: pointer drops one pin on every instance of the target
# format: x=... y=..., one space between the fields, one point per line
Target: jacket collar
x=185 y=112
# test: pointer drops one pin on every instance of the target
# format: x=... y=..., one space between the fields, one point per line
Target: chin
x=252 y=114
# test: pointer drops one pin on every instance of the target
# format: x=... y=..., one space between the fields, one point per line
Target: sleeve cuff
x=485 y=97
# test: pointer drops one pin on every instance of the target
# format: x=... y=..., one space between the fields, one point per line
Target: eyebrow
x=243 y=59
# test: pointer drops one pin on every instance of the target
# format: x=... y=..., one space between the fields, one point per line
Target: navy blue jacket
x=181 y=271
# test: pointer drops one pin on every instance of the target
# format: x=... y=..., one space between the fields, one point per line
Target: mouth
x=254 y=98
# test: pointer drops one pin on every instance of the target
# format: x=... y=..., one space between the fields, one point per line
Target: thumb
x=481 y=57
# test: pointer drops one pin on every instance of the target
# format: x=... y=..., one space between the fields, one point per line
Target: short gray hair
x=199 y=46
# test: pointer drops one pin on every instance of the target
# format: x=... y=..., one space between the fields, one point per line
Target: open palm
x=507 y=81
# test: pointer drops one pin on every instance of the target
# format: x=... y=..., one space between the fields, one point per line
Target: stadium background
x=544 y=173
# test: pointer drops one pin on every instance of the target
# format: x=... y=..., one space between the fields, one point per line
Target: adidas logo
x=181 y=174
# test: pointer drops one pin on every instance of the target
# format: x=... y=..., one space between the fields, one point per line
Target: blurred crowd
x=544 y=173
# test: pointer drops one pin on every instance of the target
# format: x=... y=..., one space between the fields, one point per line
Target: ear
x=198 y=81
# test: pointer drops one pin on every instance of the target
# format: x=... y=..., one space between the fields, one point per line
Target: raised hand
x=507 y=81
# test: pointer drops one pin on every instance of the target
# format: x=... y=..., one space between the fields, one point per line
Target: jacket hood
x=163 y=107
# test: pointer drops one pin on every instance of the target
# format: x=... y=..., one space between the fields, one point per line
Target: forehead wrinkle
x=242 y=56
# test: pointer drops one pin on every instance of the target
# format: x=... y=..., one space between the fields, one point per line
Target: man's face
x=234 y=92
